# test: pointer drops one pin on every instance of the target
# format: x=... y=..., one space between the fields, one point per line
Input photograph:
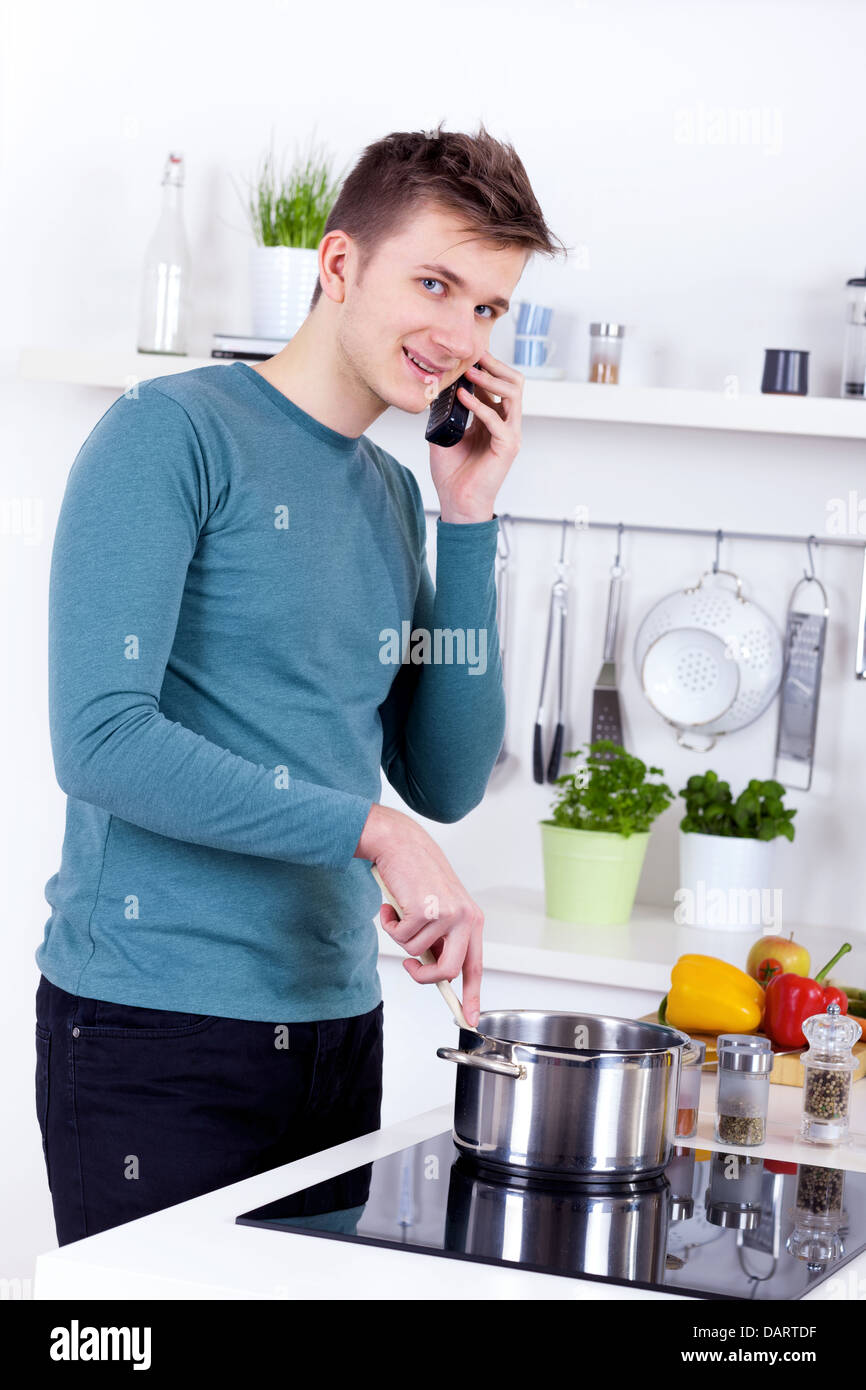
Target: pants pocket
x=43 y=1057
x=129 y=1020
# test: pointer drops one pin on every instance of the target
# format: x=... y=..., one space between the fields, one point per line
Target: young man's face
x=433 y=289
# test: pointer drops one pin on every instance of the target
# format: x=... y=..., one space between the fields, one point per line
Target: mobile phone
x=448 y=415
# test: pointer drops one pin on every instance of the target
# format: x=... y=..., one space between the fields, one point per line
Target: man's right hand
x=437 y=911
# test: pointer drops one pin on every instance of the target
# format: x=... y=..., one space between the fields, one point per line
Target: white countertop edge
x=210 y=1257
x=213 y=1258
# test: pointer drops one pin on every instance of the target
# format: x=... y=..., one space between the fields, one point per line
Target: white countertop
x=520 y=939
x=195 y=1250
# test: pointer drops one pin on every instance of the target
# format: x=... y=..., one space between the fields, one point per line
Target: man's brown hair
x=476 y=176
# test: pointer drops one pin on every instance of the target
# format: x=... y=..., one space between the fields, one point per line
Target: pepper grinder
x=854 y=365
x=827 y=1068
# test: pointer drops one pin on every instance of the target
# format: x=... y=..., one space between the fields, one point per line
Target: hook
x=718 y=547
x=562 y=542
x=619 y=530
x=811 y=573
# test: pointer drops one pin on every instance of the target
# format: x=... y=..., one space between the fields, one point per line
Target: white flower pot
x=282 y=282
x=728 y=883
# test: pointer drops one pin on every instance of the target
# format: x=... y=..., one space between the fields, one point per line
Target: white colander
x=751 y=640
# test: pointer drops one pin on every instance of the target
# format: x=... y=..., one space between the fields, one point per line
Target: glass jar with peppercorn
x=819 y=1216
x=743 y=1088
x=827 y=1068
x=819 y=1191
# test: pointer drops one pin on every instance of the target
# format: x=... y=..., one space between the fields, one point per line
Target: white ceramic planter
x=728 y=884
x=282 y=281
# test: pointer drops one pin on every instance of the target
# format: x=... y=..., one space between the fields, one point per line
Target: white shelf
x=822 y=416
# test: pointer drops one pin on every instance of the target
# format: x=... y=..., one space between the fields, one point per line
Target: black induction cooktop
x=713 y=1225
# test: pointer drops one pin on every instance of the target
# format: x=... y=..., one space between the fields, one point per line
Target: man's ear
x=333 y=253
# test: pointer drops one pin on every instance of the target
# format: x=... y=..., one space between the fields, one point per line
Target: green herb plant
x=757 y=814
x=609 y=790
x=292 y=209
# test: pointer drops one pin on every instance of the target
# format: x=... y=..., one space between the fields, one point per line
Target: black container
x=786 y=372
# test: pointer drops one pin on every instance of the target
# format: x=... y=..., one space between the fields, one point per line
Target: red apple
x=776 y=955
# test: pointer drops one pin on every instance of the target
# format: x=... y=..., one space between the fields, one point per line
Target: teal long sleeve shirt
x=233 y=587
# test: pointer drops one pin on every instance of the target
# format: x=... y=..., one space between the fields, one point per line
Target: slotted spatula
x=428 y=958
x=606 y=715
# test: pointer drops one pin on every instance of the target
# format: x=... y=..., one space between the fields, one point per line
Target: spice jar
x=736 y=1180
x=680 y=1173
x=605 y=351
x=690 y=1089
x=743 y=1088
x=827 y=1068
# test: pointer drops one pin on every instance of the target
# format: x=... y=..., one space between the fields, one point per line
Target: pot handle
x=483 y=1061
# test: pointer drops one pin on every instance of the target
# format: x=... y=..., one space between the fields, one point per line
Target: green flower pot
x=591 y=876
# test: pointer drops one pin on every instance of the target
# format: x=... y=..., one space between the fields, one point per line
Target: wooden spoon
x=428 y=958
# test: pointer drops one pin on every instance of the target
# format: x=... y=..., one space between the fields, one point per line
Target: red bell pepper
x=791 y=999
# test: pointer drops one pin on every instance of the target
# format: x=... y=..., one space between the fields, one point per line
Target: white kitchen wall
x=706 y=162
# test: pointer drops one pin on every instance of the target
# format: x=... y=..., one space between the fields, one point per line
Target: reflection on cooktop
x=714 y=1226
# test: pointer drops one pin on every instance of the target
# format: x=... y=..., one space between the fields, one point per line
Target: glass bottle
x=162 y=321
x=743 y=1088
x=827 y=1068
x=689 y=1096
x=854 y=364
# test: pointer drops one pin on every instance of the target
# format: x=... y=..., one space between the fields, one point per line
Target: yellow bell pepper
x=708 y=995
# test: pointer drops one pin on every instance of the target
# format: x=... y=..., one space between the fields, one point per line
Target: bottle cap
x=744 y=1053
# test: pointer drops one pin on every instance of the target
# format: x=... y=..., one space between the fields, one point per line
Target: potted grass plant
x=595 y=843
x=728 y=853
x=288 y=212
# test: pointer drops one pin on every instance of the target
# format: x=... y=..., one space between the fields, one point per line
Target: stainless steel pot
x=568 y=1094
x=618 y=1230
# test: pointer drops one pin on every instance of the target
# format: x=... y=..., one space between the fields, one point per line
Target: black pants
x=143 y=1108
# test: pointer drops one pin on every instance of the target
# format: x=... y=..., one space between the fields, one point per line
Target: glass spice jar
x=605 y=352
x=736 y=1179
x=743 y=1088
x=690 y=1089
x=827 y=1068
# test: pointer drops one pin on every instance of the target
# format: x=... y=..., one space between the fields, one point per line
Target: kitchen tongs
x=558 y=609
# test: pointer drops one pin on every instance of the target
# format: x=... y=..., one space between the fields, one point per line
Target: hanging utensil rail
x=719 y=535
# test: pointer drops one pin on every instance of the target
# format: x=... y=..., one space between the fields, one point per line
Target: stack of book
x=235 y=345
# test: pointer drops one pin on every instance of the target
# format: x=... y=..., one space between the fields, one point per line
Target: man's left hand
x=468 y=475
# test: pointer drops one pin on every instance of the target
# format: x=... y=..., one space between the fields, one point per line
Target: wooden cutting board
x=787 y=1069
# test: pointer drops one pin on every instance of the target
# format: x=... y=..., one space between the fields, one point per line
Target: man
x=230 y=551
